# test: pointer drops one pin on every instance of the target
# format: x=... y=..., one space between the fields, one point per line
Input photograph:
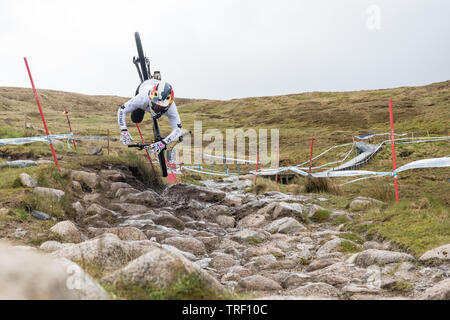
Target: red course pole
x=310 y=157
x=393 y=150
x=148 y=154
x=42 y=114
x=70 y=126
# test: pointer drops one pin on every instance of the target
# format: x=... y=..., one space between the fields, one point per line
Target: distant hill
x=331 y=117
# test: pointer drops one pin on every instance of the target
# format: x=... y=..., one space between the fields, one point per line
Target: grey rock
x=47 y=279
x=147 y=198
x=285 y=225
x=249 y=236
x=364 y=289
x=187 y=244
x=51 y=246
x=113 y=175
x=362 y=203
x=94 y=197
x=129 y=208
x=331 y=246
x=88 y=178
x=27 y=180
x=260 y=283
x=373 y=256
x=19 y=233
x=54 y=194
x=119 y=185
x=440 y=291
x=18 y=164
x=79 y=209
x=40 y=215
x=284 y=209
x=295 y=280
x=124 y=233
x=226 y=221
x=187 y=255
x=161 y=268
x=439 y=254
x=253 y=221
x=96 y=209
x=106 y=251
x=223 y=261
x=184 y=193
x=67 y=231
x=317 y=289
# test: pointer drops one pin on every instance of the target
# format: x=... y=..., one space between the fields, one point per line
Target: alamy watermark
x=373 y=17
x=233 y=144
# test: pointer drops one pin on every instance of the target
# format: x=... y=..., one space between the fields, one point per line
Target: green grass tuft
x=187 y=287
x=352 y=237
x=321 y=216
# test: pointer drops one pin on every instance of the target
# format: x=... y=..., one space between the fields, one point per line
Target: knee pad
x=137 y=115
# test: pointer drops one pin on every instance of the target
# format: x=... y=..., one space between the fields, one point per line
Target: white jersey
x=142 y=101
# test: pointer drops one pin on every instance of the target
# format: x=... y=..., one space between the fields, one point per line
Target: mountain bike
x=142 y=64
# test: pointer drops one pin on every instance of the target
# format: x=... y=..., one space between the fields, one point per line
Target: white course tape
x=20 y=141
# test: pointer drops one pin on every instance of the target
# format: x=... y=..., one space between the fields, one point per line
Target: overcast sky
x=226 y=49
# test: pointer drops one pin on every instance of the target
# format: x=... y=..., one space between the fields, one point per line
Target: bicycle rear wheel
x=141 y=56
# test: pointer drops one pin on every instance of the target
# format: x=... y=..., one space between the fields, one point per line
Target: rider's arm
x=175 y=123
x=139 y=101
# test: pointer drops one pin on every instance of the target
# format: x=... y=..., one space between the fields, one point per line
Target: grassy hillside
x=422 y=221
x=332 y=117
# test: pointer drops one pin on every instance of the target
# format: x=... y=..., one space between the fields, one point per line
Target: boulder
x=53 y=194
x=76 y=186
x=249 y=236
x=124 y=233
x=223 y=261
x=119 y=185
x=284 y=209
x=147 y=198
x=316 y=289
x=188 y=244
x=184 y=193
x=79 y=210
x=18 y=164
x=27 y=180
x=106 y=251
x=92 y=197
x=210 y=242
x=285 y=225
x=88 y=178
x=185 y=254
x=295 y=280
x=440 y=291
x=28 y=275
x=105 y=214
x=374 y=256
x=253 y=221
x=67 y=231
x=362 y=203
x=112 y=175
x=165 y=218
x=51 y=246
x=226 y=221
x=439 y=254
x=40 y=215
x=258 y=282
x=129 y=208
x=331 y=246
x=161 y=268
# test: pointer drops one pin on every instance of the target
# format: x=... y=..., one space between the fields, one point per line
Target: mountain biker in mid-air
x=156 y=97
